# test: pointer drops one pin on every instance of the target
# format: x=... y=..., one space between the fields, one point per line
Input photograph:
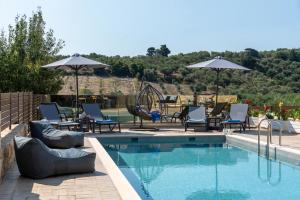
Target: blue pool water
x=196 y=172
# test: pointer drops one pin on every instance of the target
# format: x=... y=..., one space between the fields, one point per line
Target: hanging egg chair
x=147 y=104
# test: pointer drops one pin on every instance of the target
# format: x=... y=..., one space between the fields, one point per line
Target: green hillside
x=273 y=73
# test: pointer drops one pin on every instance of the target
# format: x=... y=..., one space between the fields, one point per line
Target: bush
x=150 y=75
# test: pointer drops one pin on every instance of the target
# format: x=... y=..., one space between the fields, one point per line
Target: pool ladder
x=271 y=123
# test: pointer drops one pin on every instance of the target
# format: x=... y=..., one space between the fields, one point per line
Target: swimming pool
x=202 y=171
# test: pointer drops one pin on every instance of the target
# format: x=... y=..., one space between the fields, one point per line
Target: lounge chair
x=237 y=116
x=217 y=110
x=51 y=113
x=180 y=115
x=35 y=160
x=196 y=116
x=54 y=138
x=93 y=111
x=216 y=116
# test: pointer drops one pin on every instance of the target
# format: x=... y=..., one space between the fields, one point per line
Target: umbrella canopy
x=218 y=63
x=75 y=63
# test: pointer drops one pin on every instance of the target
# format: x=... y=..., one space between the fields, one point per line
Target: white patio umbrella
x=218 y=63
x=76 y=63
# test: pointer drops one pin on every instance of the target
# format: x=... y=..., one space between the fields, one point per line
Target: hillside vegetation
x=96 y=85
x=273 y=73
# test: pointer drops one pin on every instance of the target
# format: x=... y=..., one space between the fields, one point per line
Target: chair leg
x=119 y=127
x=185 y=127
x=111 y=128
x=100 y=128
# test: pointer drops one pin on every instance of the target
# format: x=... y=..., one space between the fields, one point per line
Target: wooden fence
x=18 y=107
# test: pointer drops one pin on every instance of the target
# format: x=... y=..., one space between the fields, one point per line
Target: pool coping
x=125 y=189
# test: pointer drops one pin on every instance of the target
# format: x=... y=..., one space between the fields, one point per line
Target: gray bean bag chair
x=54 y=138
x=36 y=160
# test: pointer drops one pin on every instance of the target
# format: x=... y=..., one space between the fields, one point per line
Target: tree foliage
x=162 y=51
x=23 y=51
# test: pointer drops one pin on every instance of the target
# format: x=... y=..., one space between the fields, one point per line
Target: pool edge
x=280 y=153
x=125 y=189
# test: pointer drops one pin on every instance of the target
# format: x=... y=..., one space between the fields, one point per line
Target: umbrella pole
x=217 y=91
x=76 y=77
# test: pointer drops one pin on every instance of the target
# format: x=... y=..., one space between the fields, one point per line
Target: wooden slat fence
x=19 y=107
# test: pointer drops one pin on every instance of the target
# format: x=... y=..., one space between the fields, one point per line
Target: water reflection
x=213 y=195
x=268 y=178
x=192 y=155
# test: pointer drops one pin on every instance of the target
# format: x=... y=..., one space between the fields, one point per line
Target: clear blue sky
x=129 y=27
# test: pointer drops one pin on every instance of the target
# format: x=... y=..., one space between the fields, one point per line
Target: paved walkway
x=93 y=186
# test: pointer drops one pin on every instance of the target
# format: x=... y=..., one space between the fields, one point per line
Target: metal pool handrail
x=269 y=134
x=272 y=122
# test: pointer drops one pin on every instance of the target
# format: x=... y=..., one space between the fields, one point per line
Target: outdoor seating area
x=216 y=118
x=58 y=149
x=149 y=100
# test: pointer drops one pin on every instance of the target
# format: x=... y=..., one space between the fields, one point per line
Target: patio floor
x=97 y=185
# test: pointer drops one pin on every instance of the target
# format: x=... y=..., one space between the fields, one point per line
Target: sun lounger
x=196 y=116
x=237 y=116
x=217 y=110
x=93 y=111
x=51 y=113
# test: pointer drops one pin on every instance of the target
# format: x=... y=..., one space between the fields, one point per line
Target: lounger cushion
x=105 y=121
x=36 y=160
x=232 y=121
x=196 y=121
x=54 y=138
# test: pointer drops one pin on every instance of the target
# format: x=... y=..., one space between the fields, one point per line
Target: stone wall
x=7 y=155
